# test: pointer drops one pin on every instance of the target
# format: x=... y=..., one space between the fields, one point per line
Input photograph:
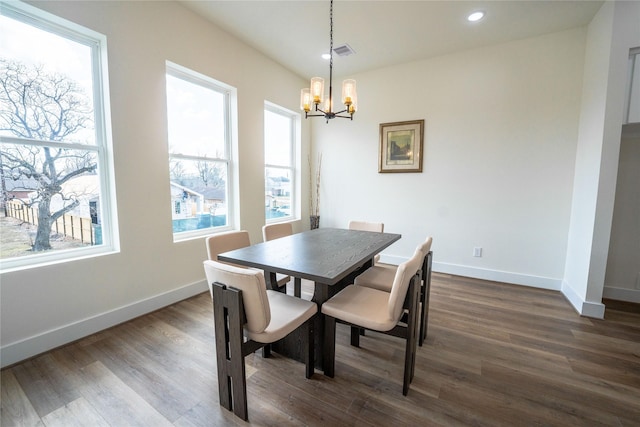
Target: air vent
x=344 y=50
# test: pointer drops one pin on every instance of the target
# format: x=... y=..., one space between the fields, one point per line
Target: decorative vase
x=315 y=221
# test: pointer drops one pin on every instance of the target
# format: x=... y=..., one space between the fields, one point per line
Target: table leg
x=290 y=346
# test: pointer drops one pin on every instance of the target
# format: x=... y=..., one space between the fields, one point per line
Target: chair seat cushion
x=362 y=306
x=287 y=314
x=380 y=277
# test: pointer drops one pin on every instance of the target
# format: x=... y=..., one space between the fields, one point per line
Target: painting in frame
x=401 y=145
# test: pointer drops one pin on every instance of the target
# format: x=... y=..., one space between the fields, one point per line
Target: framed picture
x=401 y=145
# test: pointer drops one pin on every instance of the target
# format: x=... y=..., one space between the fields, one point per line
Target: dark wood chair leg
x=309 y=359
x=222 y=346
x=229 y=318
x=329 y=356
x=297 y=287
x=355 y=336
x=266 y=351
x=424 y=298
x=411 y=334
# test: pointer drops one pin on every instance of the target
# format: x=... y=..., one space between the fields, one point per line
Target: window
x=198 y=114
x=280 y=136
x=56 y=166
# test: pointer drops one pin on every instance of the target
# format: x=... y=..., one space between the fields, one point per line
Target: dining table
x=330 y=257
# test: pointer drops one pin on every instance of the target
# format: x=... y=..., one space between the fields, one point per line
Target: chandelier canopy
x=315 y=94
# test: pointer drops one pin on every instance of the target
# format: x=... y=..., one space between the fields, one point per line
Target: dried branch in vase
x=314 y=186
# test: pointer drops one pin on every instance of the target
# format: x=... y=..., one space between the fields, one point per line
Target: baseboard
x=32 y=346
x=498 y=276
x=485 y=274
x=584 y=308
x=621 y=294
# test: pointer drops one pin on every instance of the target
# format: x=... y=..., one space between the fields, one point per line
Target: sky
x=33 y=46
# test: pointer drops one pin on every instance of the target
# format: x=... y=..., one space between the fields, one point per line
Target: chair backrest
x=276 y=231
x=254 y=291
x=366 y=226
x=404 y=274
x=425 y=246
x=224 y=242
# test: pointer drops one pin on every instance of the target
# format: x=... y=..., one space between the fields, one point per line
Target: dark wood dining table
x=330 y=257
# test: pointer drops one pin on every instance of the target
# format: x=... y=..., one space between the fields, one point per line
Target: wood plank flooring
x=495 y=355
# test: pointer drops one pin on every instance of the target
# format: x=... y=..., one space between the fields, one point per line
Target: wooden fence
x=76 y=227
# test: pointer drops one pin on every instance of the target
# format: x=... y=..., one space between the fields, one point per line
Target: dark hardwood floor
x=496 y=355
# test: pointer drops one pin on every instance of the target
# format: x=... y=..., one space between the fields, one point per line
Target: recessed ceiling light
x=475 y=16
x=326 y=56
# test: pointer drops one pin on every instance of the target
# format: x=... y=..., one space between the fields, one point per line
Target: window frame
x=230 y=94
x=103 y=146
x=294 y=166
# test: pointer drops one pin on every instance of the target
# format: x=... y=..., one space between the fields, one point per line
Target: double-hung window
x=199 y=135
x=280 y=143
x=56 y=163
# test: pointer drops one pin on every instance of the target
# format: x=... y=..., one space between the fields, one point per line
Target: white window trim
x=230 y=99
x=295 y=161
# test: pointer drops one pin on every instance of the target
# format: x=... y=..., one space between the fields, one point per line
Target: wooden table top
x=324 y=255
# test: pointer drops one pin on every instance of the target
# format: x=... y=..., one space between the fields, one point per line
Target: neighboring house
x=279 y=186
x=214 y=200
x=20 y=188
x=190 y=202
x=185 y=202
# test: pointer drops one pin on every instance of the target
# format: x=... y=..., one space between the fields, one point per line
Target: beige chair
x=377 y=227
x=244 y=308
x=366 y=226
x=380 y=311
x=276 y=231
x=380 y=276
x=232 y=240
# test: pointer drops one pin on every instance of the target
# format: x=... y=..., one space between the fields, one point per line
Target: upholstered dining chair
x=380 y=276
x=377 y=227
x=379 y=311
x=248 y=317
x=276 y=231
x=366 y=226
x=232 y=240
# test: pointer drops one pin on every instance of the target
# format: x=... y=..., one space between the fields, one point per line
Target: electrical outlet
x=477 y=252
x=638 y=281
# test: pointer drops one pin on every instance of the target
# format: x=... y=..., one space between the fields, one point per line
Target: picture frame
x=401 y=147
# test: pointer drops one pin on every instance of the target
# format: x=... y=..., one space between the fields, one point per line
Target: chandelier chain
x=331 y=58
x=331 y=35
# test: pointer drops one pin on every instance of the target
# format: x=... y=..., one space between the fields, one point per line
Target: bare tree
x=210 y=174
x=38 y=105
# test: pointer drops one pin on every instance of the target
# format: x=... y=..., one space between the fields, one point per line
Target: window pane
x=198 y=194
x=277 y=139
x=48 y=205
x=196 y=116
x=49 y=80
x=199 y=141
x=278 y=193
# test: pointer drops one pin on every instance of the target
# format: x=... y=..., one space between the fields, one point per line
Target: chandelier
x=315 y=94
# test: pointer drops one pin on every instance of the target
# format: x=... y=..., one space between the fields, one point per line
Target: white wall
x=500 y=147
x=48 y=306
x=622 y=279
x=613 y=31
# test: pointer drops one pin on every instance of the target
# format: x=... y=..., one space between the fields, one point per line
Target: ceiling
x=384 y=33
